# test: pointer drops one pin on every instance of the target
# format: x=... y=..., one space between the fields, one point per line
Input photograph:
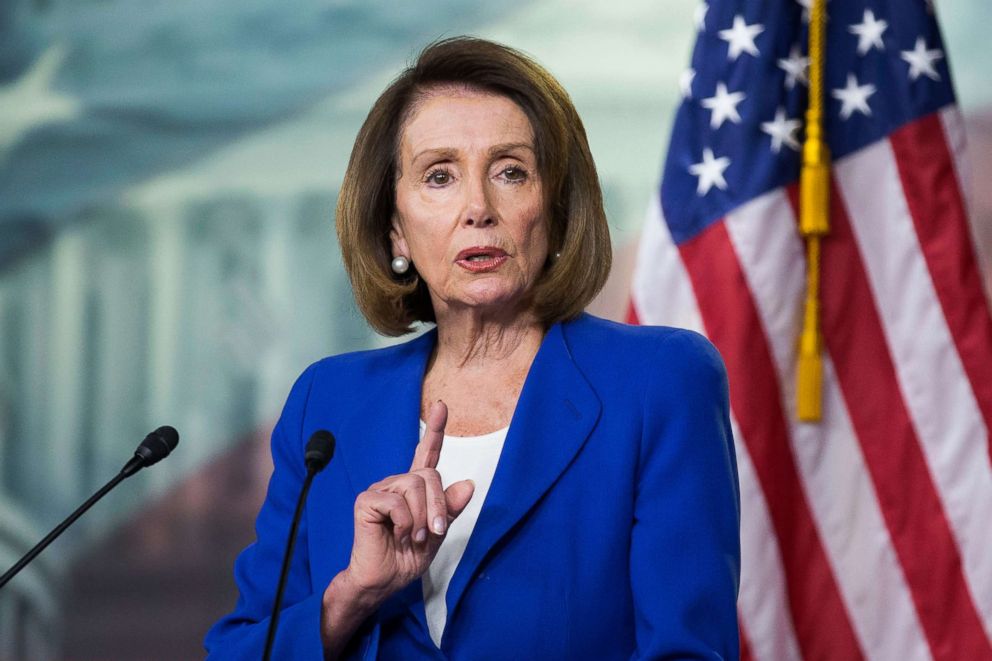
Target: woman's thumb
x=457 y=496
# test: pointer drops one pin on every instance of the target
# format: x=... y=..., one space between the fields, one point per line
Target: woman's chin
x=488 y=297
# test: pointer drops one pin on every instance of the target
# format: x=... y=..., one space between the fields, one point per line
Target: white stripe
x=663 y=294
x=931 y=377
x=828 y=456
x=981 y=235
x=957 y=143
x=763 y=602
x=661 y=290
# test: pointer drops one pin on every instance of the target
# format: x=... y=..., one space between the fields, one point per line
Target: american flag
x=868 y=534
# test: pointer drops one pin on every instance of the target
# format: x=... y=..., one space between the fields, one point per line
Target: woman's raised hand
x=401 y=521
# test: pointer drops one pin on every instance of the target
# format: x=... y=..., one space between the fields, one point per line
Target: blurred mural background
x=168 y=175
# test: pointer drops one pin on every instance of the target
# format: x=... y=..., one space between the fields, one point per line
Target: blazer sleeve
x=685 y=541
x=242 y=633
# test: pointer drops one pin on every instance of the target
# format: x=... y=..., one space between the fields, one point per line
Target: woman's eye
x=514 y=173
x=438 y=177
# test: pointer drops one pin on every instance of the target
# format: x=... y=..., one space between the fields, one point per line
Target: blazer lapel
x=556 y=412
x=382 y=430
x=379 y=436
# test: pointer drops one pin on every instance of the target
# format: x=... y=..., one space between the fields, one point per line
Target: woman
x=573 y=492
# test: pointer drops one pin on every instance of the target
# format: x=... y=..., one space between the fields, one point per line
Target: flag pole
x=814 y=223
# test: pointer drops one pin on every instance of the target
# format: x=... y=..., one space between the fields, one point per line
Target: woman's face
x=469 y=203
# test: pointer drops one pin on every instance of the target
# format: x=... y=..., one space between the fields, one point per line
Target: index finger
x=429 y=449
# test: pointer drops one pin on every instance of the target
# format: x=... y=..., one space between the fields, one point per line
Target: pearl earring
x=400 y=265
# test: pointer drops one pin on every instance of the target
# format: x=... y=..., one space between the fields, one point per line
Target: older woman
x=523 y=481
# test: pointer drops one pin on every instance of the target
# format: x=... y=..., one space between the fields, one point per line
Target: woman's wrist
x=344 y=607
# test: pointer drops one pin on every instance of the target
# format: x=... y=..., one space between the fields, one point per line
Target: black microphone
x=320 y=449
x=156 y=446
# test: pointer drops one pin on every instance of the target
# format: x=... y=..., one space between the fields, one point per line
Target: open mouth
x=481 y=259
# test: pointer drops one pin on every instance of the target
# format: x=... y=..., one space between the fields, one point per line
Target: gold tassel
x=814 y=223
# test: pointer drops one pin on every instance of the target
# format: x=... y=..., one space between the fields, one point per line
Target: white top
x=462 y=458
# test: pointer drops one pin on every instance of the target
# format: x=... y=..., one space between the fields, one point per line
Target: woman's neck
x=478 y=369
x=473 y=340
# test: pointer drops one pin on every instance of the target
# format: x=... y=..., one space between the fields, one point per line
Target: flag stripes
x=829 y=458
x=866 y=535
x=903 y=485
x=947 y=420
x=731 y=321
x=763 y=602
x=929 y=176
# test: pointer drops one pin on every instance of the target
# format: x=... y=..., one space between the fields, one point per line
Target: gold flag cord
x=814 y=223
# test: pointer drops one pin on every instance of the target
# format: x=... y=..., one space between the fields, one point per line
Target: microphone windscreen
x=157 y=445
x=320 y=449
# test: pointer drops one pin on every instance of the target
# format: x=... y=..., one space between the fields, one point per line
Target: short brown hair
x=574 y=202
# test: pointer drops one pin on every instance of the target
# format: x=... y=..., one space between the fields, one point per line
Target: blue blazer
x=610 y=531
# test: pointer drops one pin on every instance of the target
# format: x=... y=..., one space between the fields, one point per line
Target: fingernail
x=439 y=525
x=420 y=536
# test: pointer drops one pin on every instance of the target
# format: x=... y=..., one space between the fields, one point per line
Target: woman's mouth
x=481 y=259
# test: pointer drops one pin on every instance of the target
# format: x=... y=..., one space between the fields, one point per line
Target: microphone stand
x=319 y=450
x=156 y=446
x=50 y=537
x=290 y=543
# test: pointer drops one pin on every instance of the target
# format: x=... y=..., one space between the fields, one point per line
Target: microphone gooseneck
x=319 y=450
x=156 y=446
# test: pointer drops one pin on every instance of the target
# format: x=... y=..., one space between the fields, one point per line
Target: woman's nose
x=479 y=211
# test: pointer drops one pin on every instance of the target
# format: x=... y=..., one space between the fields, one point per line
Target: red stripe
x=632 y=317
x=933 y=193
x=906 y=493
x=746 y=653
x=821 y=621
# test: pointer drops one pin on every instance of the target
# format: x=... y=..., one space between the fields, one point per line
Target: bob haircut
x=577 y=229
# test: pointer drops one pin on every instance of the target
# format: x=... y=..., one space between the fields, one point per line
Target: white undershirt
x=462 y=458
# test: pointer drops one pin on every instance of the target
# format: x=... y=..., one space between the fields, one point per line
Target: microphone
x=320 y=450
x=318 y=453
x=155 y=447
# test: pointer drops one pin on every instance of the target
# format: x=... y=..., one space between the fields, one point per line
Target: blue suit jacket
x=610 y=530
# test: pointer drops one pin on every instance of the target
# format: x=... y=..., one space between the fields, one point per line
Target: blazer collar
x=556 y=412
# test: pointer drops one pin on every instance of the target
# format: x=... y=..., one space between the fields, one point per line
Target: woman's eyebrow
x=510 y=146
x=437 y=153
x=447 y=153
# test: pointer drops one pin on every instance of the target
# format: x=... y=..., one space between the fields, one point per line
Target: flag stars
x=710 y=172
x=854 y=97
x=807 y=6
x=869 y=32
x=782 y=130
x=795 y=67
x=699 y=16
x=723 y=105
x=740 y=38
x=685 y=82
x=921 y=60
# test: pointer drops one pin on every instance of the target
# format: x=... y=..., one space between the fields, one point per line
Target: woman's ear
x=396 y=237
